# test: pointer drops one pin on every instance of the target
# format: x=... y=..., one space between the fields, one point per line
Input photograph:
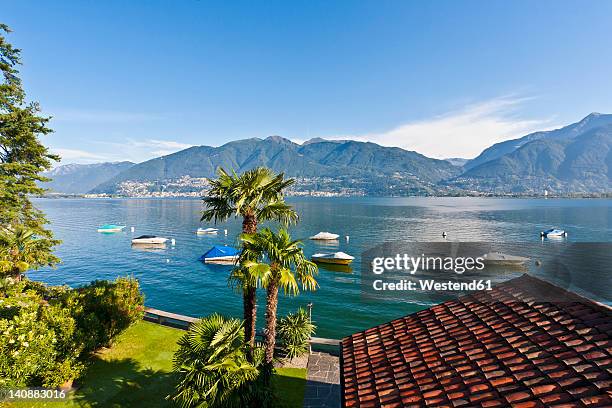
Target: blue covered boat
x=222 y=254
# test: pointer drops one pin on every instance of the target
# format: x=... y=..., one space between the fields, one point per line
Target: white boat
x=325 y=236
x=149 y=240
x=498 y=258
x=207 y=231
x=111 y=228
x=339 y=258
x=553 y=233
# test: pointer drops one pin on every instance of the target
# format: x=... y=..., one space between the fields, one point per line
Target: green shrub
x=104 y=309
x=38 y=344
x=48 y=332
x=294 y=330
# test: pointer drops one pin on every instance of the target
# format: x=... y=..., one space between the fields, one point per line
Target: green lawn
x=136 y=372
x=290 y=383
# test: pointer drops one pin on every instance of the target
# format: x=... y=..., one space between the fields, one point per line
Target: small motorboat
x=111 y=228
x=339 y=258
x=553 y=233
x=149 y=240
x=498 y=258
x=325 y=236
x=202 y=231
x=221 y=254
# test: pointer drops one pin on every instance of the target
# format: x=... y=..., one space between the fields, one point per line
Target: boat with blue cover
x=222 y=254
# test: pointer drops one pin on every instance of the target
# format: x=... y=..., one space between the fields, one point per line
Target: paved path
x=323 y=382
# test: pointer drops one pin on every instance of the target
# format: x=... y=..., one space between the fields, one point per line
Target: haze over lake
x=174 y=280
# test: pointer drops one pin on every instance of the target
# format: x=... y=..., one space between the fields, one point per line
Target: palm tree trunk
x=249 y=303
x=16 y=275
x=249 y=224
x=271 y=306
x=249 y=294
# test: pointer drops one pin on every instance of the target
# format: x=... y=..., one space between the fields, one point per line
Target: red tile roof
x=496 y=348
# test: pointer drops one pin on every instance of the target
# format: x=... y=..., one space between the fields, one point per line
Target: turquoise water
x=174 y=280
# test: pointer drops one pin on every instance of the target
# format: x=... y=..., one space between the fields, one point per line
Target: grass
x=291 y=383
x=136 y=372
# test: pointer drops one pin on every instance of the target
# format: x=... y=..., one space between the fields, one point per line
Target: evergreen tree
x=22 y=160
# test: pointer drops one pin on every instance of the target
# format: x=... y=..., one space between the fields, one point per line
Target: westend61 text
x=431 y=285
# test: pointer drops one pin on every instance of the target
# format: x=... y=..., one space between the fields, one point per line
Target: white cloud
x=461 y=133
x=165 y=145
x=151 y=148
x=132 y=150
x=99 y=116
x=77 y=156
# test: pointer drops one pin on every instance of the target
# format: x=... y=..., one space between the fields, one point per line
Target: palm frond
x=211 y=364
x=277 y=248
x=257 y=192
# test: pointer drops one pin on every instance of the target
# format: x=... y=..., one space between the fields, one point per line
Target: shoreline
x=190 y=197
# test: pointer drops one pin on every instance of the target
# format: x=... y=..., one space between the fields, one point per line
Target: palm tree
x=212 y=366
x=255 y=195
x=19 y=250
x=286 y=268
x=294 y=330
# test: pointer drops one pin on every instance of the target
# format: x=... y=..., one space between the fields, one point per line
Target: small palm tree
x=212 y=366
x=287 y=268
x=19 y=250
x=294 y=331
x=255 y=195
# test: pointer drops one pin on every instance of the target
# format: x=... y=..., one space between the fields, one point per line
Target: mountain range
x=80 y=178
x=362 y=165
x=573 y=159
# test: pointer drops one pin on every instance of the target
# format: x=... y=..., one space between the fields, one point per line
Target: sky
x=136 y=80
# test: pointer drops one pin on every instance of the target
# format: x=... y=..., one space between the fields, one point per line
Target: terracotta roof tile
x=491 y=349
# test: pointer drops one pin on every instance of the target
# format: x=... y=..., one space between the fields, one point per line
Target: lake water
x=173 y=279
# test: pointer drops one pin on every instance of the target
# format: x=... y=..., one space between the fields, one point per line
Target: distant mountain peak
x=594 y=114
x=591 y=116
x=321 y=140
x=591 y=121
x=80 y=178
x=594 y=119
x=72 y=167
x=278 y=139
x=574 y=158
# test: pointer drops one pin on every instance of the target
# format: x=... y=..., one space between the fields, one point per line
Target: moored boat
x=149 y=240
x=339 y=258
x=111 y=228
x=553 y=233
x=221 y=254
x=325 y=236
x=498 y=258
x=202 y=231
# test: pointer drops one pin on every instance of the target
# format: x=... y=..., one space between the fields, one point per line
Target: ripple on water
x=174 y=280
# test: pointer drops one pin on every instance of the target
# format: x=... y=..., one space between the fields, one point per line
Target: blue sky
x=133 y=80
